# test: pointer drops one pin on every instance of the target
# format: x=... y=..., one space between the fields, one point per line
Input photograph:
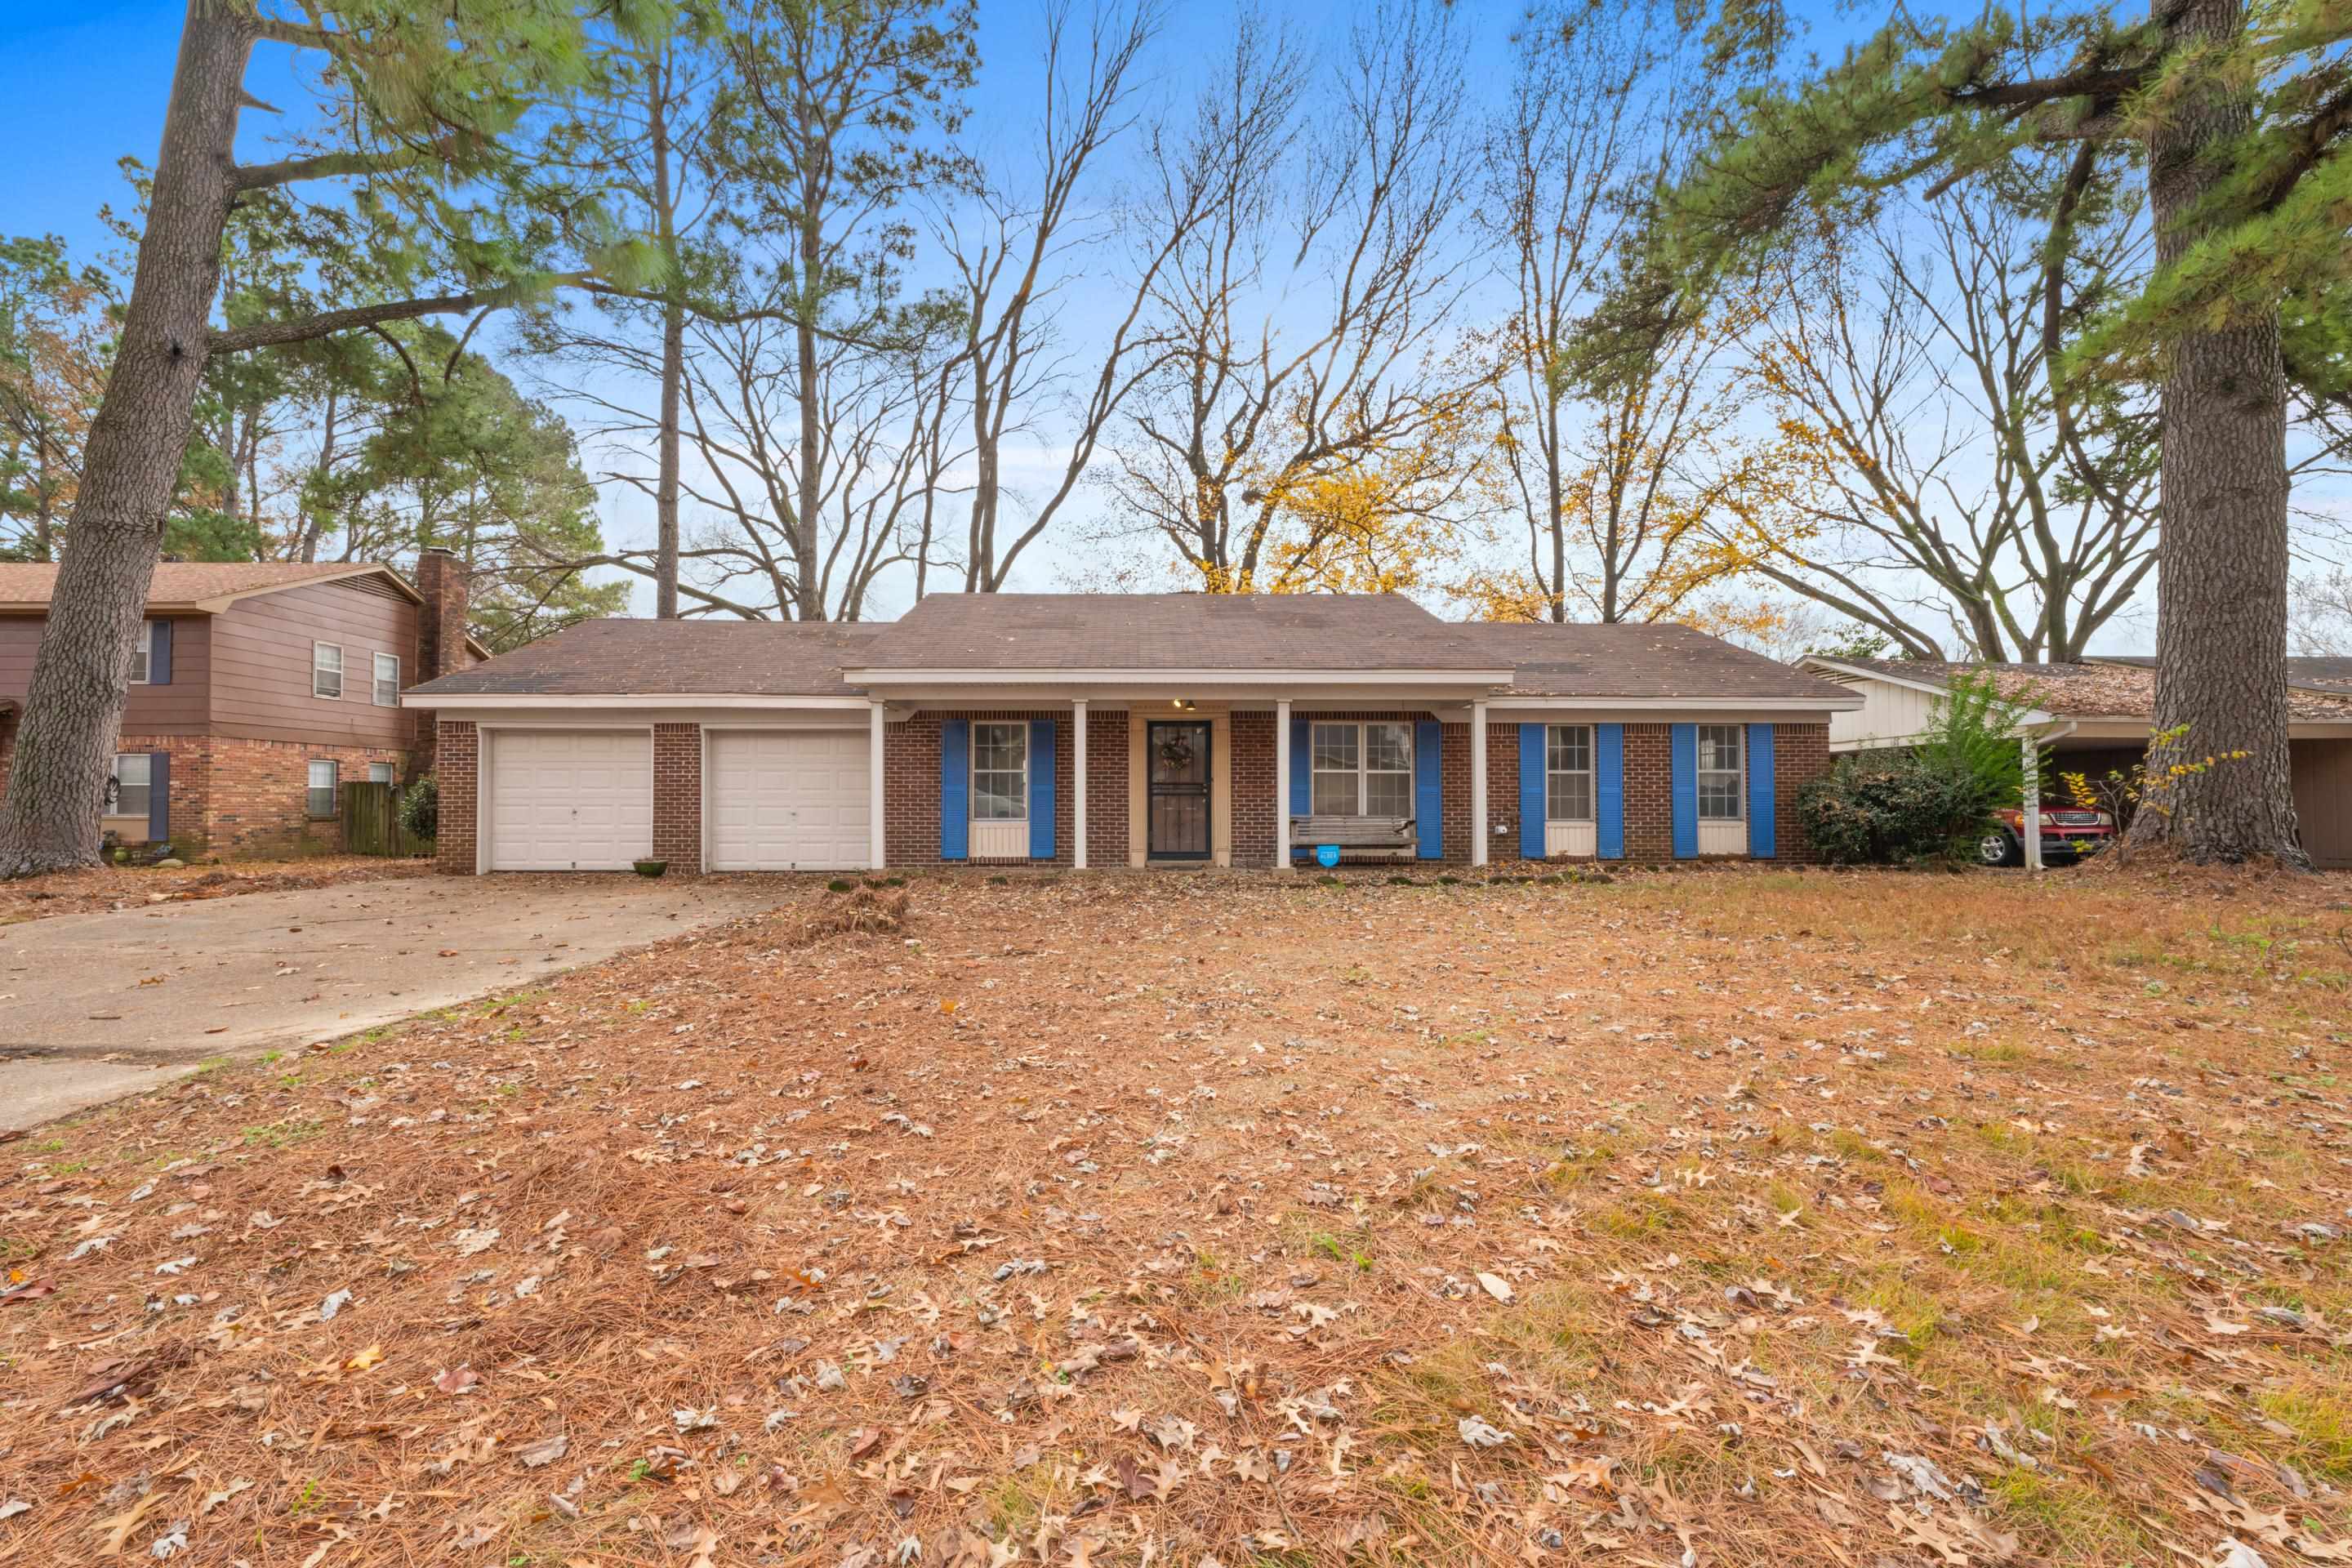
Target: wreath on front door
x=1176 y=749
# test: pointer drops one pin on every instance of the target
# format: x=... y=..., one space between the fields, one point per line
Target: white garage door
x=789 y=800
x=570 y=800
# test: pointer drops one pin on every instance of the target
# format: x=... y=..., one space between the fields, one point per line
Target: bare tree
x=1017 y=256
x=1951 y=485
x=834 y=121
x=1301 y=428
x=1585 y=124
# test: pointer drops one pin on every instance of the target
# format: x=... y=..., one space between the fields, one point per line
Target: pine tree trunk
x=73 y=709
x=673 y=365
x=2221 y=627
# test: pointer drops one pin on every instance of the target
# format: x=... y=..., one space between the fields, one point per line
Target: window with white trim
x=380 y=773
x=143 y=653
x=1568 y=773
x=318 y=800
x=1720 y=755
x=326 y=669
x=1361 y=770
x=129 y=790
x=387 y=681
x=1000 y=773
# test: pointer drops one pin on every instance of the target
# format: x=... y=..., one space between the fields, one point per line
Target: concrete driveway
x=96 y=1006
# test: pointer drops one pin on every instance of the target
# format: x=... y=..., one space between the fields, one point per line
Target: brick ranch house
x=1121 y=730
x=2096 y=716
x=257 y=688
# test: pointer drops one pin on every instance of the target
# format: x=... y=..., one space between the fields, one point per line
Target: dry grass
x=104 y=888
x=1773 y=1216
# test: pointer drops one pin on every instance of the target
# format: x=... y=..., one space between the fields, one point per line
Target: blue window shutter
x=1760 y=791
x=159 y=654
x=1428 y=789
x=159 y=796
x=1685 y=793
x=1535 y=807
x=955 y=786
x=1041 y=789
x=1301 y=780
x=1609 y=790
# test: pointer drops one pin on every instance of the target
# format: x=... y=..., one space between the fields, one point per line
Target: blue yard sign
x=1326 y=856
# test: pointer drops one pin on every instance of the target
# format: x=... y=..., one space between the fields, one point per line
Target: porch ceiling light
x=1182 y=704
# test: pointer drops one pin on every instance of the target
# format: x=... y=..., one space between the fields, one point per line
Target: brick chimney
x=441 y=578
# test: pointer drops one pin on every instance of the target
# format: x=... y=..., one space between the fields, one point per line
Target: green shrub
x=1932 y=801
x=420 y=809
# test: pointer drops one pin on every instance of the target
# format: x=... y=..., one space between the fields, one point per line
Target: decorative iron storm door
x=1178 y=803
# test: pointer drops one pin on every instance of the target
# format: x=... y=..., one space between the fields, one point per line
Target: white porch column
x=1282 y=784
x=1078 y=779
x=2032 y=802
x=876 y=849
x=1478 y=784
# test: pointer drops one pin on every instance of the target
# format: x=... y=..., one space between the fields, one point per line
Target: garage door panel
x=789 y=800
x=570 y=800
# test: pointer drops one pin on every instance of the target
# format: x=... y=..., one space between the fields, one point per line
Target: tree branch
x=268 y=334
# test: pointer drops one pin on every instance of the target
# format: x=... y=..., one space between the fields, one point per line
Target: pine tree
x=2241 y=116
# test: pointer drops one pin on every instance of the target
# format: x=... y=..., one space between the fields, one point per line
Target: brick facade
x=1649 y=793
x=1801 y=754
x=247 y=799
x=677 y=796
x=1254 y=788
x=1106 y=787
x=458 y=748
x=911 y=788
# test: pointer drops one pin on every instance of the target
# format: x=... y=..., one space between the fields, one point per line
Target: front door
x=1177 y=756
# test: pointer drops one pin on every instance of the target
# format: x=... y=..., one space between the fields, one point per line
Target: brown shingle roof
x=184 y=585
x=672 y=659
x=2109 y=688
x=1173 y=631
x=1625 y=660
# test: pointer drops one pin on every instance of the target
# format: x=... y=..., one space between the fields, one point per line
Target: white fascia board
x=1183 y=682
x=1502 y=707
x=509 y=702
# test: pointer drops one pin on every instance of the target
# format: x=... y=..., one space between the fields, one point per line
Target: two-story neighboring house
x=257 y=689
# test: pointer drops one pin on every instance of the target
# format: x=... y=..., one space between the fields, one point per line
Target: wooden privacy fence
x=371 y=822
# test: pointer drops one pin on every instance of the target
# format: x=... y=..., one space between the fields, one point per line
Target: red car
x=2068 y=833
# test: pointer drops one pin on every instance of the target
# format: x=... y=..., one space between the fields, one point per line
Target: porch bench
x=1357 y=838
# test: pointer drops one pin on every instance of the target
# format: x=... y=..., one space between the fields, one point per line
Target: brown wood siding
x=179 y=709
x=2322 y=775
x=261 y=667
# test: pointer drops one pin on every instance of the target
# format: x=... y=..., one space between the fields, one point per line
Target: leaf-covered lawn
x=102 y=888
x=1715 y=1217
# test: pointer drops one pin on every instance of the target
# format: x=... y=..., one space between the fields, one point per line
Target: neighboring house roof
x=672 y=659
x=2117 y=688
x=984 y=632
x=1627 y=660
x=196 y=585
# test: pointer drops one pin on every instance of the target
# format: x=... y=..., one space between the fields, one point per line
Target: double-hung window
x=1000 y=773
x=1568 y=773
x=1720 y=773
x=143 y=653
x=129 y=790
x=1362 y=770
x=387 y=681
x=318 y=800
x=326 y=669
